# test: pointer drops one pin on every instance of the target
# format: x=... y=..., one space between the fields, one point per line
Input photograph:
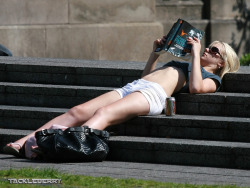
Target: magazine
x=176 y=39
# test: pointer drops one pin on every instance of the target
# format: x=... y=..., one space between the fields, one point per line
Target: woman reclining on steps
x=147 y=96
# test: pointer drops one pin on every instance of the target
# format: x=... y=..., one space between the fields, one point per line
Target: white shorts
x=152 y=91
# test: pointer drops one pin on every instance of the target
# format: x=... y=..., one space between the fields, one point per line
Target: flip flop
x=13 y=151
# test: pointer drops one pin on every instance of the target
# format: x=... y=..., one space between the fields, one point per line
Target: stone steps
x=168 y=150
x=92 y=73
x=180 y=151
x=178 y=126
x=69 y=72
x=219 y=103
x=65 y=96
x=45 y=95
x=208 y=130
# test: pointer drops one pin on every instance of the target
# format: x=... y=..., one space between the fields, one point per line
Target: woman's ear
x=221 y=64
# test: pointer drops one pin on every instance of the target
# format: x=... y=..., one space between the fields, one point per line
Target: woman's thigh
x=90 y=107
x=132 y=105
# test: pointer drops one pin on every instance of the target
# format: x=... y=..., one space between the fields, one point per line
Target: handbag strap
x=88 y=130
x=44 y=132
x=84 y=129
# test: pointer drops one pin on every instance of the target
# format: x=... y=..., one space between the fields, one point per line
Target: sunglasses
x=215 y=50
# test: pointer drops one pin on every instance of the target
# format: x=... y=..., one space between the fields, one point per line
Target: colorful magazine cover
x=176 y=39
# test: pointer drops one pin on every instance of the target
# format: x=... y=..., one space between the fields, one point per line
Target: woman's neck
x=210 y=69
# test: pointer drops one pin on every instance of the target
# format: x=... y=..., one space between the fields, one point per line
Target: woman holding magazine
x=147 y=95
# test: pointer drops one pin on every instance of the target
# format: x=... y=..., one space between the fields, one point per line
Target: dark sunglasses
x=215 y=50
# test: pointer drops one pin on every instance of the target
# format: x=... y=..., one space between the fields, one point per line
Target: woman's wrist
x=196 y=55
x=155 y=55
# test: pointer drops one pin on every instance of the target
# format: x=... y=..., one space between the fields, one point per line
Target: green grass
x=245 y=59
x=69 y=180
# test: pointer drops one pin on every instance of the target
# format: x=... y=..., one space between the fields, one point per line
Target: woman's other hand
x=196 y=45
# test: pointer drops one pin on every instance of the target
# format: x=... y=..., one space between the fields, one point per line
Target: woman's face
x=213 y=55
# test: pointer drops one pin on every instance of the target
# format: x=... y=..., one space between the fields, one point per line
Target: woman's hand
x=196 y=45
x=158 y=42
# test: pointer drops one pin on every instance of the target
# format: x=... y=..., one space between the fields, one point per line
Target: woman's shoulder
x=206 y=74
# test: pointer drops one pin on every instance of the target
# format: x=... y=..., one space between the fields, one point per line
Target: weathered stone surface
x=67 y=40
x=73 y=41
x=128 y=42
x=19 y=12
x=95 y=11
x=23 y=40
x=167 y=11
x=132 y=41
x=229 y=32
x=226 y=9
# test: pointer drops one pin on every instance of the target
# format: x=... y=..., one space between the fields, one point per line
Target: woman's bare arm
x=196 y=83
x=153 y=58
x=151 y=63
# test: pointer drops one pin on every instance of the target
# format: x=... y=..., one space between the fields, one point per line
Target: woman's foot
x=15 y=149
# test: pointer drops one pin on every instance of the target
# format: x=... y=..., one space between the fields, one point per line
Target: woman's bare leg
x=132 y=105
x=77 y=115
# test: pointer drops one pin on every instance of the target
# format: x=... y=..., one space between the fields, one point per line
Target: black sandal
x=13 y=151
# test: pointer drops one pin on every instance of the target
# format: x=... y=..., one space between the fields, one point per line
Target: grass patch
x=245 y=59
x=69 y=180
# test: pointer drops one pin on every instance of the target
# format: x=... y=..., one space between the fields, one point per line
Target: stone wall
x=84 y=29
x=114 y=30
x=230 y=22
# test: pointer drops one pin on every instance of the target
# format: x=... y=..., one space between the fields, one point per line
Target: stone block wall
x=230 y=22
x=115 y=30
x=84 y=29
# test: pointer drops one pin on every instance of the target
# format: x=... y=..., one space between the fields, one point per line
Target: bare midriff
x=171 y=79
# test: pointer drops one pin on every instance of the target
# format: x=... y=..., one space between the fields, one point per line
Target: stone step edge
x=196 y=127
x=82 y=63
x=183 y=143
x=166 y=151
x=48 y=111
x=173 y=3
x=162 y=143
x=62 y=66
x=54 y=86
x=180 y=152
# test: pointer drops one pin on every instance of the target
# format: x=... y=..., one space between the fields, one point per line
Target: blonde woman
x=147 y=96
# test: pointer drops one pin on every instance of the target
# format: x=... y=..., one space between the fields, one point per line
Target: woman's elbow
x=194 y=90
x=197 y=90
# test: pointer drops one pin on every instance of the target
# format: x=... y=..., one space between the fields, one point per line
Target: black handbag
x=76 y=144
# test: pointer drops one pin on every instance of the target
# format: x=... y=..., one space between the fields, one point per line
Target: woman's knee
x=104 y=113
x=79 y=113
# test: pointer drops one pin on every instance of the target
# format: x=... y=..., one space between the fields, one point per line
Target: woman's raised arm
x=153 y=58
x=196 y=83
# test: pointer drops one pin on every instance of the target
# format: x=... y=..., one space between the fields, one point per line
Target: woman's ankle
x=15 y=145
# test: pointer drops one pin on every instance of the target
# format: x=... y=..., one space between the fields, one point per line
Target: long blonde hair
x=232 y=63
